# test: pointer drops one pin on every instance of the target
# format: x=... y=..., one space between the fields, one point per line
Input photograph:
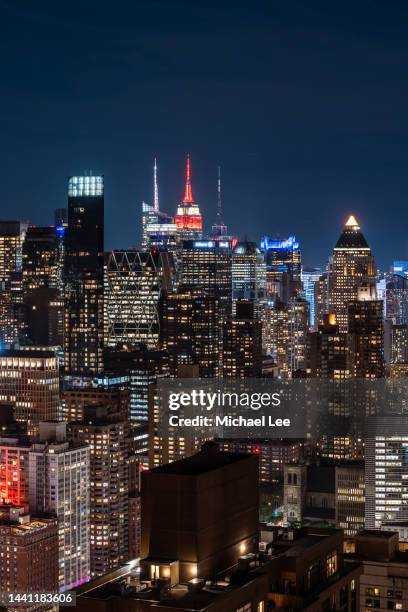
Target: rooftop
x=207 y=460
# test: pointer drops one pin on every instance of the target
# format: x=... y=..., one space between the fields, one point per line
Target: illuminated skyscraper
x=188 y=218
x=399 y=344
x=284 y=264
x=310 y=276
x=351 y=265
x=134 y=282
x=159 y=228
x=29 y=380
x=298 y=320
x=275 y=335
x=248 y=274
x=207 y=264
x=366 y=335
x=242 y=343
x=396 y=299
x=190 y=330
x=12 y=235
x=83 y=276
x=40 y=263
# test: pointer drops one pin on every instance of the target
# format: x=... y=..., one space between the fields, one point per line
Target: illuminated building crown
x=188 y=217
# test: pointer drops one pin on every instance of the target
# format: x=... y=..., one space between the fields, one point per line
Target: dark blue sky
x=304 y=105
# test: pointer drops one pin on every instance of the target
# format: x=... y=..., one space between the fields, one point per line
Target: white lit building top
x=80 y=186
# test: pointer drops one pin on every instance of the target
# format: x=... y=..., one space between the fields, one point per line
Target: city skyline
x=305 y=113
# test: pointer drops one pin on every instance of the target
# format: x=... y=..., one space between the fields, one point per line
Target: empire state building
x=351 y=265
x=188 y=218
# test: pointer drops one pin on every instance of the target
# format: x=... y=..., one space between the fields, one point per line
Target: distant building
x=248 y=274
x=242 y=343
x=351 y=265
x=83 y=276
x=188 y=217
x=29 y=379
x=134 y=282
x=310 y=276
x=190 y=330
x=284 y=265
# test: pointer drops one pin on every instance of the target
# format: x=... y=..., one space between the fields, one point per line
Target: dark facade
x=83 y=276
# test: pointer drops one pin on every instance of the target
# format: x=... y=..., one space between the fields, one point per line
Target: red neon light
x=189 y=222
x=188 y=194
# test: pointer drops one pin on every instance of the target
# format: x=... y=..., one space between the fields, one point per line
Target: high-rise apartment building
x=59 y=485
x=399 y=344
x=14 y=471
x=83 y=276
x=396 y=299
x=351 y=265
x=190 y=330
x=106 y=432
x=29 y=379
x=134 y=282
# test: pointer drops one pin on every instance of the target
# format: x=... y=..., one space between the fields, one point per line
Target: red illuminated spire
x=188 y=194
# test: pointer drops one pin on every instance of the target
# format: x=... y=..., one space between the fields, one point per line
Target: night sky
x=303 y=104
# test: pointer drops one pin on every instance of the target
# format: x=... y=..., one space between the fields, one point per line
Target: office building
x=12 y=235
x=159 y=229
x=351 y=265
x=396 y=299
x=190 y=330
x=59 y=485
x=188 y=217
x=248 y=274
x=134 y=283
x=29 y=379
x=275 y=335
x=366 y=335
x=298 y=324
x=283 y=259
x=28 y=553
x=40 y=259
x=83 y=276
x=207 y=264
x=311 y=276
x=106 y=432
x=242 y=343
x=399 y=344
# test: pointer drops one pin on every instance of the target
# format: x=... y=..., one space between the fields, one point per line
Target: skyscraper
x=159 y=228
x=83 y=276
x=134 y=282
x=310 y=276
x=351 y=265
x=298 y=320
x=207 y=264
x=248 y=274
x=29 y=380
x=219 y=229
x=12 y=235
x=283 y=259
x=40 y=259
x=190 y=330
x=366 y=335
x=188 y=217
x=242 y=343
